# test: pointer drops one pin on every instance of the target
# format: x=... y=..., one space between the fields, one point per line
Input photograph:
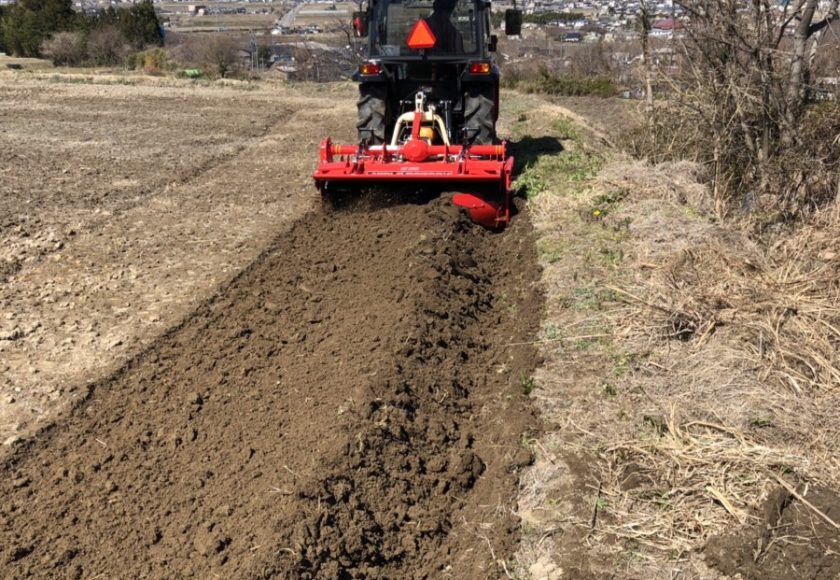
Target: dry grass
x=718 y=374
x=737 y=382
x=28 y=64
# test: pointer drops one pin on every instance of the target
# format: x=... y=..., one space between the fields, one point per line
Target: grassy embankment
x=689 y=368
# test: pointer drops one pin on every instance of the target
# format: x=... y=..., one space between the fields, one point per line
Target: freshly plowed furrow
x=349 y=406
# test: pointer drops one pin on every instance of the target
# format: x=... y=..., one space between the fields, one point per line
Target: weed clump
x=566 y=86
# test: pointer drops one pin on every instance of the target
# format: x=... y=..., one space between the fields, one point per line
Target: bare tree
x=808 y=32
x=740 y=100
x=220 y=51
x=64 y=48
x=644 y=36
x=212 y=51
x=354 y=46
x=590 y=59
x=107 y=46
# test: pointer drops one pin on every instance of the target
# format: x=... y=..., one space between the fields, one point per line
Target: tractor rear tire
x=479 y=116
x=373 y=112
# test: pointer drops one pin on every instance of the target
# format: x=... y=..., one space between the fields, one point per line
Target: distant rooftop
x=668 y=24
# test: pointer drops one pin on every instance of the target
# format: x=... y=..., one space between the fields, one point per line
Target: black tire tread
x=478 y=117
x=372 y=108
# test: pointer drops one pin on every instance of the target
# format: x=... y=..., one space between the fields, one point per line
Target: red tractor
x=428 y=105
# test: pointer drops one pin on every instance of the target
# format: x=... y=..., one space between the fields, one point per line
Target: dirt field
x=205 y=375
x=122 y=208
x=222 y=383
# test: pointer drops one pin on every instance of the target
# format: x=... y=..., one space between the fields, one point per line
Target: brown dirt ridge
x=348 y=406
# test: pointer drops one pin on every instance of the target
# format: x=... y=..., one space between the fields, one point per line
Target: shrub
x=739 y=100
x=211 y=52
x=64 y=48
x=106 y=46
x=806 y=177
x=26 y=25
x=152 y=61
x=579 y=81
x=568 y=86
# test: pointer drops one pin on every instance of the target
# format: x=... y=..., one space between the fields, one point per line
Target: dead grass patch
x=693 y=365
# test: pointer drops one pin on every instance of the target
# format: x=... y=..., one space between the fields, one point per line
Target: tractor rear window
x=453 y=22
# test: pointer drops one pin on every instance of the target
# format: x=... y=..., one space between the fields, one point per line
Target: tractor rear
x=428 y=106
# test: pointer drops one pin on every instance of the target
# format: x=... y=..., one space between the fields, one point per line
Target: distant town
x=313 y=40
x=579 y=21
x=592 y=21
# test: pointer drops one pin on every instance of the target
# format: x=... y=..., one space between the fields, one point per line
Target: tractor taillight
x=479 y=68
x=370 y=68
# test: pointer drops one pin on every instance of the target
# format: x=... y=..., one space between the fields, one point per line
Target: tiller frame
x=417 y=160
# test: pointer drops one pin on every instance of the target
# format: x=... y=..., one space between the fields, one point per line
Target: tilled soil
x=348 y=406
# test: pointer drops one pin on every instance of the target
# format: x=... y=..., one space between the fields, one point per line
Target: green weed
x=762 y=422
x=585 y=344
x=586 y=298
x=613 y=256
x=551 y=332
x=551 y=251
x=622 y=363
x=565 y=129
x=528 y=384
x=558 y=173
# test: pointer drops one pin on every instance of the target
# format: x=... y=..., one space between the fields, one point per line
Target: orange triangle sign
x=421 y=36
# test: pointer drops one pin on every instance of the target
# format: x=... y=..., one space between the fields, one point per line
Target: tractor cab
x=455 y=30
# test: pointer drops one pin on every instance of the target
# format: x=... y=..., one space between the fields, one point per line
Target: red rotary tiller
x=420 y=153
